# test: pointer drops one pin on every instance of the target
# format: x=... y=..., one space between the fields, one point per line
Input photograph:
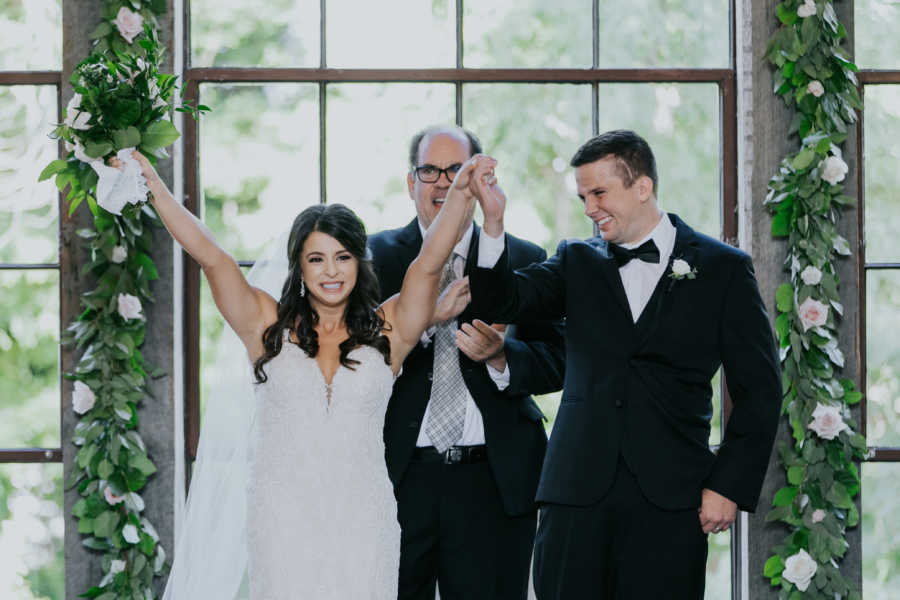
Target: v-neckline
x=315 y=359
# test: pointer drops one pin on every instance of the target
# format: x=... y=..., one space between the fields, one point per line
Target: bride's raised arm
x=410 y=312
x=247 y=310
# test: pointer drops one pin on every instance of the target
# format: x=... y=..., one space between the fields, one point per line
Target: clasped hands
x=477 y=340
x=717 y=512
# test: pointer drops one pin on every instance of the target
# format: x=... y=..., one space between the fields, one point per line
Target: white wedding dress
x=322 y=518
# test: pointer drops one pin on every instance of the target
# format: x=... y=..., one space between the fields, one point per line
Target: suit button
x=430 y=376
x=618 y=403
x=413 y=424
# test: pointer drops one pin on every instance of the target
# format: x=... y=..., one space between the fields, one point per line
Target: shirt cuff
x=501 y=379
x=490 y=249
x=426 y=336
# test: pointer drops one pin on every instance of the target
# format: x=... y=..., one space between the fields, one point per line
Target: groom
x=629 y=488
x=464 y=440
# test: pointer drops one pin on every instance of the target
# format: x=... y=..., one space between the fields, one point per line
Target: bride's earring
x=302 y=288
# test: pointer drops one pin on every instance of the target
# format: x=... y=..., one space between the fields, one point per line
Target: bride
x=320 y=519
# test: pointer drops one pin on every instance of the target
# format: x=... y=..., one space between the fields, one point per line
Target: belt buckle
x=453 y=455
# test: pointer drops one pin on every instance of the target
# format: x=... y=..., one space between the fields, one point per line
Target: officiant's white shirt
x=639 y=278
x=473 y=429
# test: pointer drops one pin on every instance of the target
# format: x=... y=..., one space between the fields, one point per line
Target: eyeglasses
x=431 y=173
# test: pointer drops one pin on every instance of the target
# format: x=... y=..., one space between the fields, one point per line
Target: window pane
x=30 y=35
x=882 y=179
x=28 y=209
x=533 y=160
x=882 y=358
x=31 y=532
x=530 y=33
x=718 y=566
x=275 y=33
x=682 y=125
x=369 y=130
x=391 y=34
x=880 y=531
x=259 y=168
x=29 y=359
x=875 y=25
x=662 y=33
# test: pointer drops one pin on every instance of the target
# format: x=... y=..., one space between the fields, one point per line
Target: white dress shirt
x=473 y=429
x=639 y=278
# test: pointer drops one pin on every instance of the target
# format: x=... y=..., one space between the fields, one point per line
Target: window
x=31 y=518
x=315 y=101
x=879 y=289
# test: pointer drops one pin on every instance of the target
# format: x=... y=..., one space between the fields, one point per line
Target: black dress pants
x=456 y=534
x=621 y=548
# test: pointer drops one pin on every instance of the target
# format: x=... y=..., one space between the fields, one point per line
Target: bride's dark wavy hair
x=363 y=319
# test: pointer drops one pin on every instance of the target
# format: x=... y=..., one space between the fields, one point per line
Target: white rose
x=116 y=566
x=815 y=88
x=827 y=421
x=83 y=398
x=812 y=313
x=111 y=498
x=834 y=169
x=799 y=569
x=119 y=254
x=130 y=533
x=807 y=9
x=811 y=275
x=129 y=307
x=818 y=515
x=680 y=267
x=129 y=24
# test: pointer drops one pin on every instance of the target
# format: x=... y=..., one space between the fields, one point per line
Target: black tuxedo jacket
x=513 y=426
x=643 y=389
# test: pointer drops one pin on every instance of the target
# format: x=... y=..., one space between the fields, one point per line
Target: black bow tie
x=647 y=252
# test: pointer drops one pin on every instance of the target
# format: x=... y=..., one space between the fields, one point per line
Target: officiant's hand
x=452 y=301
x=483 y=343
x=717 y=512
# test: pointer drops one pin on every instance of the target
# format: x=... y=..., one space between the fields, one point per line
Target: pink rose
x=130 y=24
x=129 y=307
x=112 y=498
x=818 y=515
x=812 y=313
x=815 y=88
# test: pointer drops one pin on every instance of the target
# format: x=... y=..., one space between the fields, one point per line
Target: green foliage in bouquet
x=816 y=78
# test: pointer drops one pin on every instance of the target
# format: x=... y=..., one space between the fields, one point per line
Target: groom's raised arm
x=501 y=295
x=752 y=374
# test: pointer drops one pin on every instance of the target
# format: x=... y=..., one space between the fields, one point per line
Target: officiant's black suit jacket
x=642 y=389
x=513 y=426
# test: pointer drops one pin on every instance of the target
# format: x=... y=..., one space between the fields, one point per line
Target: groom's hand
x=717 y=512
x=482 y=342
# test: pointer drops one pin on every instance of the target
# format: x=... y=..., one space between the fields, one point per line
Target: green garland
x=121 y=100
x=815 y=77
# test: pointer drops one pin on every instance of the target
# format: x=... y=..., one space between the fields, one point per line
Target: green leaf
x=804 y=158
x=795 y=475
x=774 y=566
x=105 y=469
x=784 y=297
x=838 y=496
x=102 y=30
x=785 y=496
x=126 y=138
x=159 y=134
x=786 y=15
x=142 y=464
x=97 y=149
x=52 y=169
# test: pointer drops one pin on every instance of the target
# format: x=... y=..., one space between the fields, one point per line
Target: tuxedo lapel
x=611 y=275
x=686 y=249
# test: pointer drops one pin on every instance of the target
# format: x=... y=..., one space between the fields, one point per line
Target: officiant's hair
x=365 y=323
x=633 y=155
x=416 y=141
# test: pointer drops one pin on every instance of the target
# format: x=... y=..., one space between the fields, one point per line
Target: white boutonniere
x=682 y=270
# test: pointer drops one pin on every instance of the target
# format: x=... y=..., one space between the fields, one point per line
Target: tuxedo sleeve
x=752 y=375
x=534 y=293
x=535 y=353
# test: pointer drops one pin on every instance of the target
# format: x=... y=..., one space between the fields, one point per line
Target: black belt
x=454 y=455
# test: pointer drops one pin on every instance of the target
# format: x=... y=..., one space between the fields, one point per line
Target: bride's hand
x=147 y=169
x=452 y=301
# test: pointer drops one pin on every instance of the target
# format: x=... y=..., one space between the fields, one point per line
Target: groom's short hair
x=633 y=155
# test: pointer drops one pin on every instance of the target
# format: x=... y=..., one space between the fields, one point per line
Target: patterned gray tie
x=447 y=406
